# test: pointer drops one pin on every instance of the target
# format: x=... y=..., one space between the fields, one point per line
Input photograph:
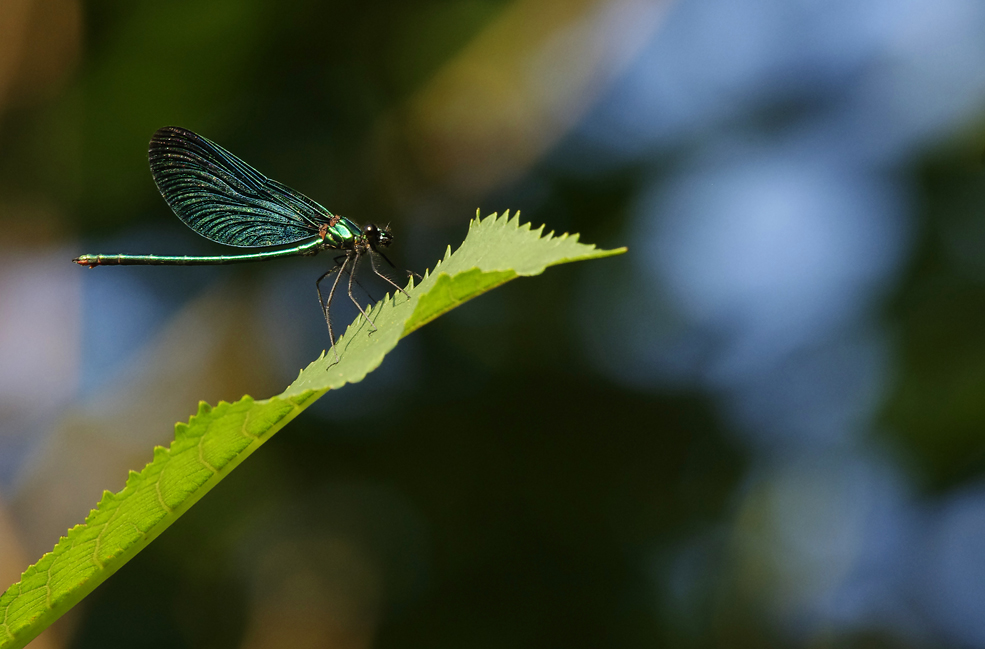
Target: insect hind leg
x=352 y=274
x=325 y=304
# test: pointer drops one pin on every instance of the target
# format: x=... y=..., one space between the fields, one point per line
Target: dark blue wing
x=224 y=199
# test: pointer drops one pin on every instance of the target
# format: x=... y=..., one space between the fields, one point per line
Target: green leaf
x=216 y=440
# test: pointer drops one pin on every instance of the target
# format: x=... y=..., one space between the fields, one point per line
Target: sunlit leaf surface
x=217 y=440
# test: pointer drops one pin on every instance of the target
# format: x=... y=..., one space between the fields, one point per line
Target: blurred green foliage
x=936 y=413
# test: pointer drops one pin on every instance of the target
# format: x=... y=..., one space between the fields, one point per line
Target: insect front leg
x=372 y=262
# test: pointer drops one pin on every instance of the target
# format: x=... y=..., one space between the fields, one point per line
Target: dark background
x=764 y=426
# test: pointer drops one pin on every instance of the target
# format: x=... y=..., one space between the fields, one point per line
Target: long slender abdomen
x=310 y=247
x=153 y=260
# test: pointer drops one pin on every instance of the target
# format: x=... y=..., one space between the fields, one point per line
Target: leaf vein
x=201 y=457
x=47 y=585
x=160 y=496
x=244 y=429
x=6 y=612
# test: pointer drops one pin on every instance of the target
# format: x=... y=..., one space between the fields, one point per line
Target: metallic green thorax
x=342 y=234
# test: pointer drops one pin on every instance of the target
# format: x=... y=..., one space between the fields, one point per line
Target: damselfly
x=226 y=200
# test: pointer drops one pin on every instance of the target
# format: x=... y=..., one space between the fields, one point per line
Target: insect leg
x=392 y=283
x=338 y=262
x=339 y=268
x=352 y=274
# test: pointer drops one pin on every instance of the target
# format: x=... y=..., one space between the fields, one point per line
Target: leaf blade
x=216 y=440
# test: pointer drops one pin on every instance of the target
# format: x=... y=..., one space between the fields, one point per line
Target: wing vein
x=224 y=199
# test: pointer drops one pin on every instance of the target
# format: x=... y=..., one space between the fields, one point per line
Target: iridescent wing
x=224 y=199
